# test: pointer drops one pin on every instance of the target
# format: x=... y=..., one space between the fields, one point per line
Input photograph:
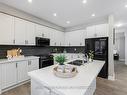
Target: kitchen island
x=44 y=82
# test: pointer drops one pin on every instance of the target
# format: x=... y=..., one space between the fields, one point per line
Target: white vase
x=90 y=60
x=62 y=67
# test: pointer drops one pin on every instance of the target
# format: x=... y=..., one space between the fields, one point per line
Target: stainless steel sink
x=78 y=62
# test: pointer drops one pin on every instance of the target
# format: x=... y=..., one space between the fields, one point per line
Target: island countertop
x=77 y=85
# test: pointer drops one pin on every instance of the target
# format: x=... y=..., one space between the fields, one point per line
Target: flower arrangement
x=91 y=55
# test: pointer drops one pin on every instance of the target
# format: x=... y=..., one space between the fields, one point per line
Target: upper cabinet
x=42 y=31
x=30 y=33
x=20 y=31
x=24 y=32
x=6 y=29
x=100 y=30
x=16 y=31
x=57 y=38
x=75 y=38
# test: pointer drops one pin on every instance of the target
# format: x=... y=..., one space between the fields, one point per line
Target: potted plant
x=91 y=55
x=61 y=59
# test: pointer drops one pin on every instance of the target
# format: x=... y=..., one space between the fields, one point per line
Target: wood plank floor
x=104 y=87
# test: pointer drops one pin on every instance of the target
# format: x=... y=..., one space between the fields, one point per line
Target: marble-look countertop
x=18 y=59
x=87 y=73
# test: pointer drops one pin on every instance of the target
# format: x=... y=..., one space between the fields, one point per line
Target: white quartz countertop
x=69 y=86
x=18 y=59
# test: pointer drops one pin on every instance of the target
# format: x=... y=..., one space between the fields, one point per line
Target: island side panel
x=39 y=89
x=91 y=89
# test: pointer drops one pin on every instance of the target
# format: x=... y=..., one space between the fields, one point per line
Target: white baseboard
x=121 y=59
x=0 y=91
x=111 y=78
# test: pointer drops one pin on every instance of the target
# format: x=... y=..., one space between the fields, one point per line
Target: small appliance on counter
x=14 y=53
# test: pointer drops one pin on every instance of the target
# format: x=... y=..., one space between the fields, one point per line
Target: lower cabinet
x=33 y=65
x=13 y=73
x=0 y=78
x=22 y=68
x=9 y=74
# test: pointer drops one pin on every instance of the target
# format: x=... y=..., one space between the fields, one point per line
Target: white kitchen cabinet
x=22 y=67
x=30 y=33
x=57 y=38
x=15 y=72
x=91 y=33
x=24 y=32
x=6 y=29
x=33 y=65
x=100 y=30
x=75 y=38
x=20 y=31
x=9 y=74
x=42 y=31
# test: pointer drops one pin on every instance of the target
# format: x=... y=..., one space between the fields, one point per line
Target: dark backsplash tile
x=33 y=50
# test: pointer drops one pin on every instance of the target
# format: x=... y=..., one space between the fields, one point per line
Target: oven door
x=45 y=63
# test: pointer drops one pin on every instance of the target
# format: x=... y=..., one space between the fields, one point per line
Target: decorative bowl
x=66 y=73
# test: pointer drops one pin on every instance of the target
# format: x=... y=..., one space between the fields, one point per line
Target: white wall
x=120 y=45
x=126 y=48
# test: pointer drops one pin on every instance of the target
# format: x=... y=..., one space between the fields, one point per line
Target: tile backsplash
x=33 y=50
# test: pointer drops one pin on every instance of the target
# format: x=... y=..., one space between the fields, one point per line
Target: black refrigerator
x=100 y=48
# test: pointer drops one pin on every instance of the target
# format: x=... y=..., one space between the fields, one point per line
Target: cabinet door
x=30 y=33
x=102 y=30
x=75 y=38
x=9 y=74
x=6 y=29
x=33 y=65
x=42 y=31
x=68 y=39
x=90 y=32
x=60 y=38
x=22 y=71
x=20 y=31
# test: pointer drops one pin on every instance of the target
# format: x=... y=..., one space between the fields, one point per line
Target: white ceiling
x=71 y=10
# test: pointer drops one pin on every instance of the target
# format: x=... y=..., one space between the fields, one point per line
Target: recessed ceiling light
x=119 y=25
x=68 y=22
x=84 y=1
x=54 y=14
x=30 y=1
x=93 y=15
x=125 y=6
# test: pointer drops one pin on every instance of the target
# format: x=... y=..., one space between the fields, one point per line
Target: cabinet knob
x=95 y=35
x=55 y=43
x=13 y=41
x=80 y=44
x=43 y=35
x=16 y=65
x=27 y=42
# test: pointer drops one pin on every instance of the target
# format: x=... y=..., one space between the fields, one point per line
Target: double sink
x=78 y=62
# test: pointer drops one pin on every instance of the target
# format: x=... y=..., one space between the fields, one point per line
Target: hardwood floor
x=104 y=87
x=117 y=87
